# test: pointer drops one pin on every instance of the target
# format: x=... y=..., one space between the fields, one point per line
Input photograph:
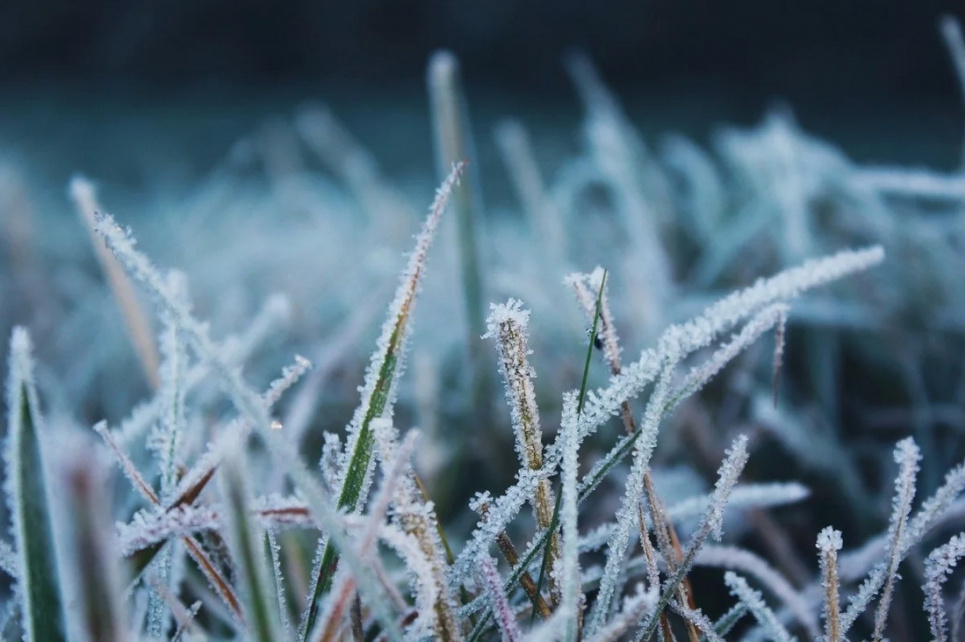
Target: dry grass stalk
x=139 y=328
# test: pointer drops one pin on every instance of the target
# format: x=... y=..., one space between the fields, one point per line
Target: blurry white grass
x=755 y=604
x=142 y=336
x=411 y=528
x=741 y=197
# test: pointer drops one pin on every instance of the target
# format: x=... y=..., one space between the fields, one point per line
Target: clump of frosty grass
x=443 y=594
x=448 y=596
x=205 y=515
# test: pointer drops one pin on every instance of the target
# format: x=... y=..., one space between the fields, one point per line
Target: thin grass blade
x=91 y=564
x=263 y=622
x=26 y=489
x=379 y=388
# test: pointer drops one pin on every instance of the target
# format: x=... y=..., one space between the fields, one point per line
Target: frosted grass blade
x=142 y=336
x=579 y=409
x=379 y=389
x=142 y=558
x=26 y=489
x=829 y=543
x=766 y=617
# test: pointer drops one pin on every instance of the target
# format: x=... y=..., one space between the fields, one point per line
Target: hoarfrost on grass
x=769 y=182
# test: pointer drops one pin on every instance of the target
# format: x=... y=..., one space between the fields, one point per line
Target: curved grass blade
x=38 y=581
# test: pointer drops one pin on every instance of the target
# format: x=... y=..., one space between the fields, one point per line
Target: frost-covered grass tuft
x=232 y=499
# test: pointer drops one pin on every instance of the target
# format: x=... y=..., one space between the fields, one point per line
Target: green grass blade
x=589 y=348
x=260 y=615
x=453 y=143
x=554 y=524
x=354 y=478
x=39 y=584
